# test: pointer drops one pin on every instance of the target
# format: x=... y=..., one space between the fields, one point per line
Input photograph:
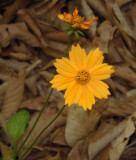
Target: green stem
x=69 y=44
x=21 y=146
x=30 y=147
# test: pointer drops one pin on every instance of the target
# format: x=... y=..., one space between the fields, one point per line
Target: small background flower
x=76 y=21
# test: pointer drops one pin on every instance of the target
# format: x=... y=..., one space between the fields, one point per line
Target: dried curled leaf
x=13 y=95
x=80 y=123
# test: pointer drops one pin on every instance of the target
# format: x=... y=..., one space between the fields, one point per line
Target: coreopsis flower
x=81 y=75
x=75 y=20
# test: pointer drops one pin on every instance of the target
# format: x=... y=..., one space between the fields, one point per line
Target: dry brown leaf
x=17 y=31
x=14 y=64
x=31 y=84
x=113 y=55
x=122 y=2
x=33 y=66
x=35 y=103
x=123 y=23
x=79 y=151
x=58 y=136
x=80 y=123
x=4 y=127
x=106 y=31
x=6 y=151
x=20 y=56
x=20 y=47
x=13 y=95
x=12 y=10
x=99 y=6
x=58 y=36
x=58 y=45
x=102 y=139
x=119 y=143
x=55 y=10
x=5 y=36
x=88 y=13
x=33 y=25
x=43 y=121
x=104 y=154
x=43 y=8
x=3 y=88
x=126 y=73
x=120 y=106
x=53 y=52
x=46 y=75
x=56 y=157
x=133 y=14
x=5 y=73
x=49 y=64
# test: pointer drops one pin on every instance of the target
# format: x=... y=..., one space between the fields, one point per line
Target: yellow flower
x=76 y=20
x=81 y=76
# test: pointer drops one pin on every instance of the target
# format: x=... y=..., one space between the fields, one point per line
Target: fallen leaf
x=80 y=124
x=13 y=96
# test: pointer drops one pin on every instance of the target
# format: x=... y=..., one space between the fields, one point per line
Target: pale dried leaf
x=126 y=73
x=14 y=64
x=43 y=121
x=33 y=66
x=58 y=136
x=97 y=144
x=80 y=124
x=31 y=84
x=88 y=13
x=47 y=75
x=33 y=25
x=79 y=151
x=119 y=143
x=20 y=56
x=3 y=88
x=99 y=6
x=13 y=95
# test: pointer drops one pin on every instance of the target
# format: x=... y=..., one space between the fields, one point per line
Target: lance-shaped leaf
x=17 y=124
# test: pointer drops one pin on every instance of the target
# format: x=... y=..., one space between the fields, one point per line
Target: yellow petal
x=61 y=17
x=78 y=56
x=60 y=82
x=71 y=93
x=87 y=99
x=102 y=71
x=65 y=67
x=98 y=88
x=95 y=57
x=75 y=12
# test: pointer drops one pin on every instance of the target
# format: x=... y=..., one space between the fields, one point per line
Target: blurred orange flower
x=76 y=20
x=82 y=77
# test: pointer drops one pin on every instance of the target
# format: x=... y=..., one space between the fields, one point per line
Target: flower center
x=83 y=77
x=77 y=19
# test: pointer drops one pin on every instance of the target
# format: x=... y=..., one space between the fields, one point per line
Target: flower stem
x=21 y=146
x=30 y=147
x=69 y=44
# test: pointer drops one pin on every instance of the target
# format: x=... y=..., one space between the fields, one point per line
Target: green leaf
x=17 y=124
x=67 y=24
x=65 y=28
x=69 y=33
x=81 y=33
x=77 y=35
